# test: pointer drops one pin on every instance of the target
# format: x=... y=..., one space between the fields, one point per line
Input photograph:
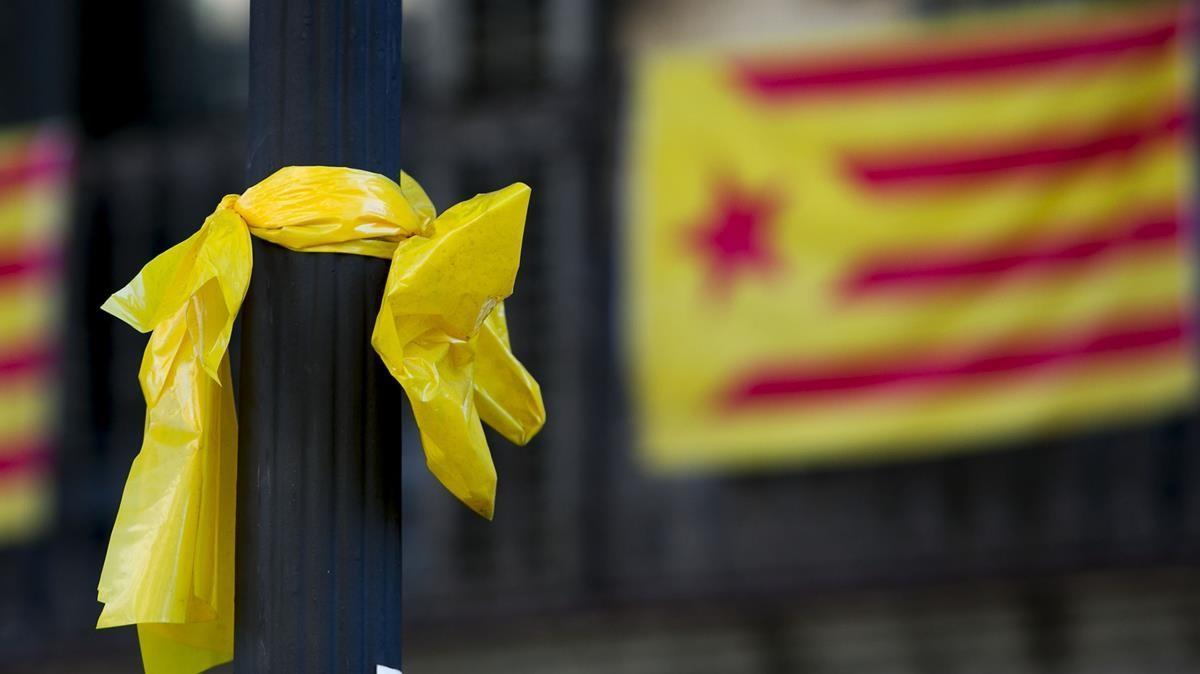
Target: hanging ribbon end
x=117 y=306
x=484 y=507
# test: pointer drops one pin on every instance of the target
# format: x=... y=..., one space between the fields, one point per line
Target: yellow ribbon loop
x=441 y=332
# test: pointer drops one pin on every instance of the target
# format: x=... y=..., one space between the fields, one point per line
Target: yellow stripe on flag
x=26 y=413
x=26 y=506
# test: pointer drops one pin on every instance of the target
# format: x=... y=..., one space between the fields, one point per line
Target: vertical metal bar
x=318 y=567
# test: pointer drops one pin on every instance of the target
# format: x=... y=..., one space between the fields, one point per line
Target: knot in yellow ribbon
x=441 y=332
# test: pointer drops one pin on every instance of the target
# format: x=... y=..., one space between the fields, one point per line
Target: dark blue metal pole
x=318 y=550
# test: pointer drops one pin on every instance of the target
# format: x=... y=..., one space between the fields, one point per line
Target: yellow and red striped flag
x=34 y=163
x=948 y=232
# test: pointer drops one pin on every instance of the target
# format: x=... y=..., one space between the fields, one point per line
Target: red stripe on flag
x=916 y=270
x=790 y=384
x=24 y=459
x=20 y=264
x=781 y=81
x=930 y=164
x=34 y=359
x=46 y=164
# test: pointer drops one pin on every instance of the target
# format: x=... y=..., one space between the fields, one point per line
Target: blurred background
x=618 y=547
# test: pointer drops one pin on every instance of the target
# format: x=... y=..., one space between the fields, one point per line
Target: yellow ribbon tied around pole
x=441 y=332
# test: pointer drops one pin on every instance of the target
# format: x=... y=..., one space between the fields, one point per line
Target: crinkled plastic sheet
x=441 y=332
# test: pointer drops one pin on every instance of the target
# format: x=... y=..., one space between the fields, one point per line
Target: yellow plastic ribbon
x=441 y=332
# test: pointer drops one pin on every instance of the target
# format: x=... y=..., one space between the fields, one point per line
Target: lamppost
x=318 y=521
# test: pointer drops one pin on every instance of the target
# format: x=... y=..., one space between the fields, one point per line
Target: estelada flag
x=34 y=163
x=946 y=233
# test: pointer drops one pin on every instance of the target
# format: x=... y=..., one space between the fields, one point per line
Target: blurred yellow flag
x=34 y=182
x=947 y=232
